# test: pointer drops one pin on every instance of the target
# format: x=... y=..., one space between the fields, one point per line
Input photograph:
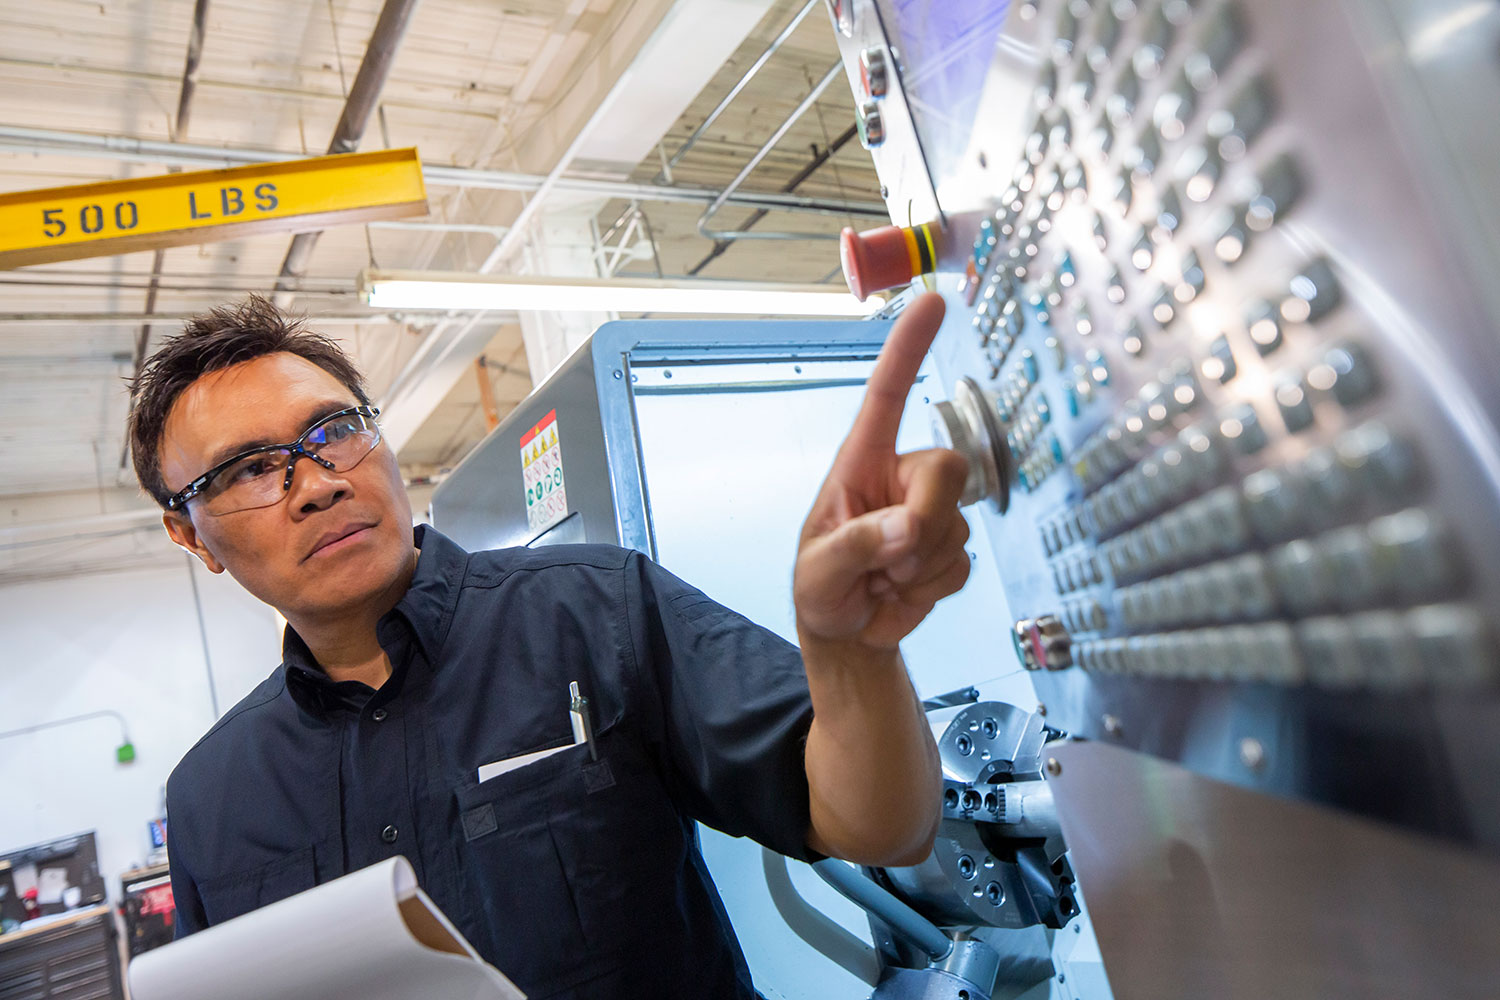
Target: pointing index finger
x=895 y=373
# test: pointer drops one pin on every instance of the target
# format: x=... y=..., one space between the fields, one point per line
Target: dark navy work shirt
x=574 y=877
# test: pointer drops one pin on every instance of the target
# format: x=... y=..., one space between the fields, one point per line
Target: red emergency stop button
x=887 y=257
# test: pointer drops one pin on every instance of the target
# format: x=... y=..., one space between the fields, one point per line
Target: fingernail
x=895 y=527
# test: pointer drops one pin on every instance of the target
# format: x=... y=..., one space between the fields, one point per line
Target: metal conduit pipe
x=734 y=92
x=36 y=142
x=135 y=318
x=179 y=129
x=833 y=73
x=807 y=171
x=374 y=69
x=911 y=925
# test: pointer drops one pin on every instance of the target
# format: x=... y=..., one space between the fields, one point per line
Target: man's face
x=336 y=540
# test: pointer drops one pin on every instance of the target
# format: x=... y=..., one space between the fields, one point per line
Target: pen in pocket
x=583 y=726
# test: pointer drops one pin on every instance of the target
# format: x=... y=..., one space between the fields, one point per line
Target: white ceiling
x=475 y=83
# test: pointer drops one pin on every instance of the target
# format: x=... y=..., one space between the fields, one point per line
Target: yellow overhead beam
x=148 y=213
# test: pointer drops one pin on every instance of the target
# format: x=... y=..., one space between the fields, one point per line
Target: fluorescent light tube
x=417 y=290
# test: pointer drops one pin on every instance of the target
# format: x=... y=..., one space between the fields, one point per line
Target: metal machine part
x=999 y=858
x=1250 y=404
x=1229 y=289
x=1043 y=643
x=970 y=426
x=999 y=861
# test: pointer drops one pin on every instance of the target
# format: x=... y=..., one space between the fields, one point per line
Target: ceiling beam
x=130 y=149
x=374 y=70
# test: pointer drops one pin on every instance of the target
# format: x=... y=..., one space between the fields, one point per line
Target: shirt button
x=379 y=715
x=388 y=835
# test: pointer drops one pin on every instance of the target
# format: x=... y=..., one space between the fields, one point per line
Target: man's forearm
x=873 y=771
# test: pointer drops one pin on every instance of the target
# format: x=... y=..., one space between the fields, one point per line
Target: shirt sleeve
x=727 y=703
x=189 y=917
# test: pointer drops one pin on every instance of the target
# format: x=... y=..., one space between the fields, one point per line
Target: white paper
x=371 y=935
x=499 y=767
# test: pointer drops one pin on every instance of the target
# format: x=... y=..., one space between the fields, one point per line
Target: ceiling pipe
x=179 y=129
x=760 y=154
x=244 y=283
x=755 y=217
x=713 y=116
x=134 y=318
x=34 y=142
x=374 y=69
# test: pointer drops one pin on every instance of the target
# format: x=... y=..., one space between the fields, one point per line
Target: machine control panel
x=1204 y=325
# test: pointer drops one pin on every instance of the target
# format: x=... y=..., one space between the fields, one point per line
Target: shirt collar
x=424 y=613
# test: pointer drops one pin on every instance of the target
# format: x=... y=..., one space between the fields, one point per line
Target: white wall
x=127 y=641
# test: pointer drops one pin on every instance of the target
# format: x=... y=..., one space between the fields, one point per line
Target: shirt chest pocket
x=230 y=896
x=562 y=853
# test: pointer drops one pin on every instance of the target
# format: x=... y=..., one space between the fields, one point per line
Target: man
x=409 y=665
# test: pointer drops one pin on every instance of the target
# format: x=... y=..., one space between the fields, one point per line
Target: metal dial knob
x=970 y=424
x=1043 y=643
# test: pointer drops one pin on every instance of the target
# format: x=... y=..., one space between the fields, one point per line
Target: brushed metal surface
x=1380 y=106
x=1202 y=889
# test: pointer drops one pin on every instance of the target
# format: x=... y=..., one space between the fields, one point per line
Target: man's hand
x=884 y=541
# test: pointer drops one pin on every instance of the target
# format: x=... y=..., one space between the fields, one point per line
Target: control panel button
x=1387 y=653
x=1163 y=307
x=1386 y=464
x=1067 y=35
x=1331 y=478
x=1328 y=650
x=1191 y=285
x=1240 y=425
x=1156 y=37
x=968 y=424
x=1312 y=294
x=1278 y=645
x=1218 y=43
x=873 y=72
x=842 y=12
x=1120 y=104
x=887 y=256
x=1302 y=577
x=1081 y=90
x=1235 y=126
x=1279 y=186
x=871 y=125
x=1351 y=561
x=1106 y=35
x=1168 y=216
x=1146 y=156
x=1101 y=140
x=1354 y=376
x=1292 y=401
x=1234 y=235
x=1264 y=326
x=1219 y=366
x=1045 y=94
x=1275 y=503
x=1199 y=170
x=1174 y=109
x=1225 y=515
x=1413 y=550
x=1455 y=645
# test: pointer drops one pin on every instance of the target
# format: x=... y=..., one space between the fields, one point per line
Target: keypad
x=1189 y=393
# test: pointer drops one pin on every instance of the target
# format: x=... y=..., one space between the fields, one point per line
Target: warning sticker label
x=542 y=472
